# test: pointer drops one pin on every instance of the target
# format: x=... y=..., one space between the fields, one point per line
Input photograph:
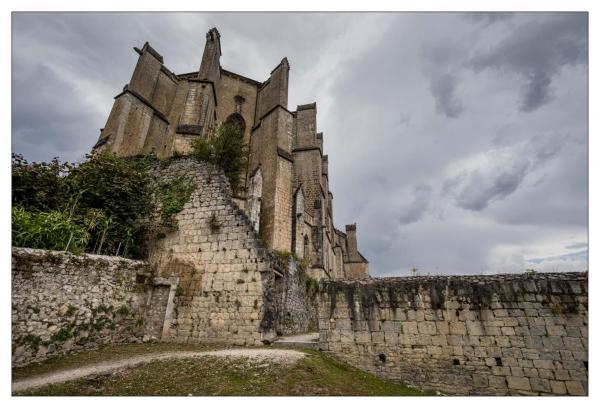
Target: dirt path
x=275 y=355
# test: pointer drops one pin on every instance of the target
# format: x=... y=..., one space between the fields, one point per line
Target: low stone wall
x=62 y=302
x=467 y=335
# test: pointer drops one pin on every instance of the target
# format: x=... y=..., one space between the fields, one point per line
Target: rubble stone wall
x=467 y=335
x=62 y=302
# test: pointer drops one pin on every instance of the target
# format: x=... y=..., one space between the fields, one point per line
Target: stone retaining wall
x=231 y=287
x=62 y=302
x=468 y=335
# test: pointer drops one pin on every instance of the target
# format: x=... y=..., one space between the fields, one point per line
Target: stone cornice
x=146 y=102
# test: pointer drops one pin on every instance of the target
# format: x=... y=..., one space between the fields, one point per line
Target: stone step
x=305 y=340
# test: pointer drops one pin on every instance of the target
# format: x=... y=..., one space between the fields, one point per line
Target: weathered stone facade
x=232 y=288
x=161 y=113
x=468 y=335
x=62 y=302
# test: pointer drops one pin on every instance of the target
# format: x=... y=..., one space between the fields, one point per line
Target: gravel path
x=275 y=355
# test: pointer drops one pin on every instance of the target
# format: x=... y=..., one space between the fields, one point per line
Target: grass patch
x=317 y=374
x=106 y=353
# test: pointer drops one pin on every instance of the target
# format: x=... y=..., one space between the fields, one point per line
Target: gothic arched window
x=237 y=120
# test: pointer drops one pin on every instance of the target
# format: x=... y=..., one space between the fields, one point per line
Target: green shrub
x=38 y=186
x=224 y=145
x=104 y=205
x=100 y=204
x=30 y=340
x=54 y=230
x=113 y=197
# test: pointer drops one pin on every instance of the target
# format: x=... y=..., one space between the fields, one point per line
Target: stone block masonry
x=466 y=335
x=62 y=302
x=161 y=113
x=211 y=279
x=232 y=288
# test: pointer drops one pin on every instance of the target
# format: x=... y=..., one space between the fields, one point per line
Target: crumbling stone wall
x=297 y=303
x=62 y=302
x=469 y=335
x=227 y=289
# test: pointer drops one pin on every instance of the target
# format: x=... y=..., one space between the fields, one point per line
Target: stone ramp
x=305 y=340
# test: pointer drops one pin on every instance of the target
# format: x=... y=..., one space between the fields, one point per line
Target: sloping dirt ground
x=274 y=355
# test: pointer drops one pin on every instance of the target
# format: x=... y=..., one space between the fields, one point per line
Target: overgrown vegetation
x=224 y=146
x=55 y=230
x=173 y=195
x=39 y=186
x=285 y=256
x=63 y=334
x=104 y=205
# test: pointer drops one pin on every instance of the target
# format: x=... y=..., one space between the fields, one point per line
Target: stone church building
x=286 y=190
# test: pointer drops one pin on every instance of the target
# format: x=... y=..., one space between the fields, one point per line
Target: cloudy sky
x=457 y=142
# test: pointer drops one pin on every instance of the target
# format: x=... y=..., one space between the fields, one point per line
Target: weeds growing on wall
x=173 y=195
x=214 y=223
x=311 y=287
x=224 y=145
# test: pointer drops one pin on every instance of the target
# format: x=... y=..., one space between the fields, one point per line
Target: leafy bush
x=105 y=205
x=224 y=146
x=101 y=204
x=54 y=230
x=119 y=190
x=38 y=186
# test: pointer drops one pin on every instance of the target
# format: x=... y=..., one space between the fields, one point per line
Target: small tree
x=224 y=146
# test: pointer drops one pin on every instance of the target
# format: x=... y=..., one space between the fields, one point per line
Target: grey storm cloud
x=443 y=90
x=420 y=196
x=44 y=127
x=499 y=172
x=475 y=190
x=537 y=52
x=488 y=17
x=429 y=152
